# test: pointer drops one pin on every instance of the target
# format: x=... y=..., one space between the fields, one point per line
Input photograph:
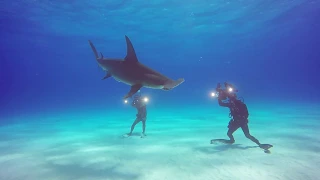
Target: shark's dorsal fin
x=131 y=54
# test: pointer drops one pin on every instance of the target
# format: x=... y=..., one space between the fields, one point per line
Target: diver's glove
x=220 y=92
x=218 y=88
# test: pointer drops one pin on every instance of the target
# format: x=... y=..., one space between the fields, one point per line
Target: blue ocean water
x=269 y=49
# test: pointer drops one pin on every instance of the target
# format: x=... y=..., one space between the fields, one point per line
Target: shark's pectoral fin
x=135 y=88
x=107 y=76
x=131 y=54
x=172 y=84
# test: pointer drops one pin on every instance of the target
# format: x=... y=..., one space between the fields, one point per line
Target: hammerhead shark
x=131 y=72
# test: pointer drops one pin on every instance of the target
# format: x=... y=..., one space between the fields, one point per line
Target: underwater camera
x=137 y=98
x=223 y=94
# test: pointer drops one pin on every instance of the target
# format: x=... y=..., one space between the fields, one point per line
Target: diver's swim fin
x=143 y=135
x=265 y=146
x=224 y=141
x=126 y=135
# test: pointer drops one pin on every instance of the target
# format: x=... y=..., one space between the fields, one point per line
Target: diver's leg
x=233 y=126
x=143 y=125
x=246 y=132
x=133 y=125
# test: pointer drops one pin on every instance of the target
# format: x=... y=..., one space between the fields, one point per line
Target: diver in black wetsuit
x=140 y=104
x=239 y=114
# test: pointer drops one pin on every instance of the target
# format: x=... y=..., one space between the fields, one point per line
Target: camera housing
x=227 y=92
x=138 y=99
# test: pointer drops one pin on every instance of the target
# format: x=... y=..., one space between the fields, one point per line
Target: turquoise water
x=89 y=145
x=59 y=120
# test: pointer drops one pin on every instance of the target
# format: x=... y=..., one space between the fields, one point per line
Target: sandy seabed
x=177 y=147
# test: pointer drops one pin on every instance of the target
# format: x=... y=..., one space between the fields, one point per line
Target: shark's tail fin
x=172 y=84
x=94 y=50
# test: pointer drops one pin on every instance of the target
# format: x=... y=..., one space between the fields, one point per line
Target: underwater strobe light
x=145 y=99
x=223 y=94
x=214 y=94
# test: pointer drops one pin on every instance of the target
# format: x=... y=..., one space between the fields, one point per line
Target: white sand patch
x=175 y=148
x=11 y=157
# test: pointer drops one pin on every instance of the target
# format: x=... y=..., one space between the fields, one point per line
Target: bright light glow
x=230 y=89
x=126 y=101
x=213 y=94
x=145 y=99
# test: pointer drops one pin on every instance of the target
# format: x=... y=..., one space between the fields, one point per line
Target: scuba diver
x=239 y=116
x=140 y=104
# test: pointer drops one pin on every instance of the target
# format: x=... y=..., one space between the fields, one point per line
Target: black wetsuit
x=141 y=115
x=239 y=114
